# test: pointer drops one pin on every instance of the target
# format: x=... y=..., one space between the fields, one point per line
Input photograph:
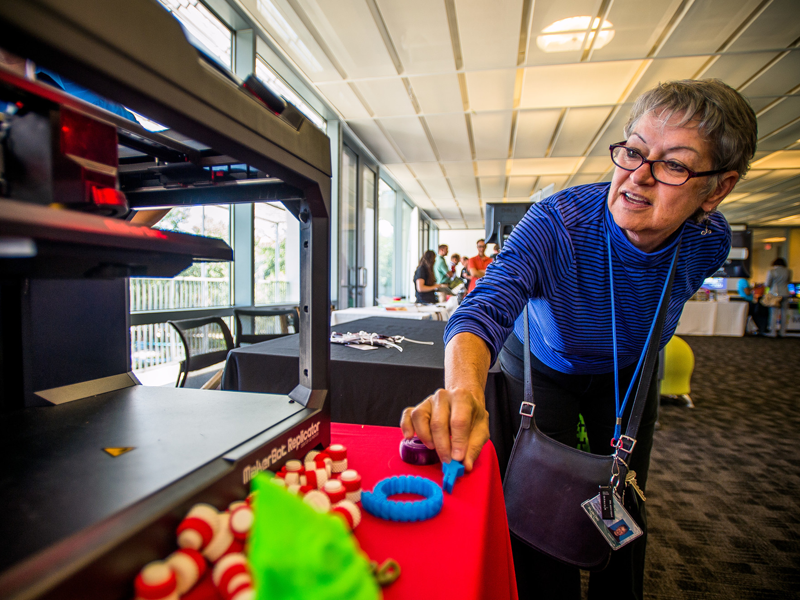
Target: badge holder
x=618 y=531
x=606 y=511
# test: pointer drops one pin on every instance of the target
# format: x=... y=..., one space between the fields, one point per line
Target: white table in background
x=713 y=318
x=421 y=312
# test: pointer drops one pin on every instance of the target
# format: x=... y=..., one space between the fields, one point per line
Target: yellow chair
x=678 y=367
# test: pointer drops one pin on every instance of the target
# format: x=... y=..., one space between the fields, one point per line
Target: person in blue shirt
x=753 y=308
x=686 y=145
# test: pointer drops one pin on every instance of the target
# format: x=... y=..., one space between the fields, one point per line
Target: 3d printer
x=77 y=521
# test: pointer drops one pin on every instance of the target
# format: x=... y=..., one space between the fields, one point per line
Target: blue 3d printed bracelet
x=377 y=501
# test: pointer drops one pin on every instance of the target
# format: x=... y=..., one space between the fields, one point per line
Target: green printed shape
x=295 y=552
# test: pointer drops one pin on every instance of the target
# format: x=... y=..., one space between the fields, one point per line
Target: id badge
x=620 y=530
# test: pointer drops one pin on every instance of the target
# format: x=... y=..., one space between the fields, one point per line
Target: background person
x=477 y=265
x=746 y=293
x=778 y=278
x=455 y=263
x=687 y=144
x=424 y=280
x=441 y=269
x=464 y=273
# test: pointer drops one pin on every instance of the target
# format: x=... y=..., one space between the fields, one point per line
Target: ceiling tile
x=534 y=131
x=465 y=188
x=759 y=181
x=426 y=170
x=558 y=181
x=667 y=69
x=399 y=172
x=543 y=166
x=583 y=179
x=491 y=90
x=520 y=186
x=420 y=34
x=343 y=98
x=491 y=132
x=614 y=132
x=779 y=79
x=735 y=69
x=286 y=28
x=409 y=136
x=450 y=135
x=459 y=169
x=706 y=26
x=490 y=168
x=584 y=84
x=489 y=32
x=373 y=138
x=637 y=25
x=492 y=187
x=386 y=97
x=348 y=29
x=438 y=93
x=776 y=118
x=777 y=27
x=436 y=187
x=596 y=164
x=786 y=159
x=579 y=128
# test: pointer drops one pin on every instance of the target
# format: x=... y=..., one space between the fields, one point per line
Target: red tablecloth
x=462 y=553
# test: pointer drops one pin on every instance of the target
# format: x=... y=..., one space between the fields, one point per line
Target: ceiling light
x=570 y=35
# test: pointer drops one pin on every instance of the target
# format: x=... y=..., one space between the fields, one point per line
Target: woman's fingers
x=452 y=422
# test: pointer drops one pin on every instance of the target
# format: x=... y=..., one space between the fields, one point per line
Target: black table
x=368 y=387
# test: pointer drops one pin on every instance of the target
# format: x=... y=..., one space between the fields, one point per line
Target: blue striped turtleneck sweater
x=557 y=260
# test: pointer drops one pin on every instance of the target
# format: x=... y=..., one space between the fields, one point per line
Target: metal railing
x=158 y=344
x=271 y=292
x=149 y=294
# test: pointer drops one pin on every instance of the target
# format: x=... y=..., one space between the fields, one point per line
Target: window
x=387 y=199
x=202 y=284
x=278 y=86
x=201 y=24
x=276 y=263
x=410 y=261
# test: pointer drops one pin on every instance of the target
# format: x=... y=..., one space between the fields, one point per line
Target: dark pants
x=559 y=399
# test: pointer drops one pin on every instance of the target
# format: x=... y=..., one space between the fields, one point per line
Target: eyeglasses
x=667 y=172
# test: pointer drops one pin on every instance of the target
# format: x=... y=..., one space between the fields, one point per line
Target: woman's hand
x=454 y=422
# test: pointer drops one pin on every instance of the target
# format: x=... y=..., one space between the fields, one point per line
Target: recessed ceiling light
x=569 y=34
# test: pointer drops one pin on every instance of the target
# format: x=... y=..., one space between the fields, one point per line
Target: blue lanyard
x=621 y=409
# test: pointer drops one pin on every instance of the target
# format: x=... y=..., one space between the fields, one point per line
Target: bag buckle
x=626 y=444
x=522 y=409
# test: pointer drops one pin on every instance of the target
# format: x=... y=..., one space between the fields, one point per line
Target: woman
x=687 y=144
x=778 y=283
x=425 y=281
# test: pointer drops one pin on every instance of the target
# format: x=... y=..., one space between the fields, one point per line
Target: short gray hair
x=724 y=118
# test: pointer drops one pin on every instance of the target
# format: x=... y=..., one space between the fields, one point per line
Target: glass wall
x=409 y=260
x=201 y=24
x=277 y=85
x=387 y=199
x=202 y=285
x=347 y=230
x=276 y=266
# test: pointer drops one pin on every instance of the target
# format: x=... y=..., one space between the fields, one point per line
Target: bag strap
x=627 y=441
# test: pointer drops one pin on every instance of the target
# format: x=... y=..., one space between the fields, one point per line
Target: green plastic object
x=297 y=553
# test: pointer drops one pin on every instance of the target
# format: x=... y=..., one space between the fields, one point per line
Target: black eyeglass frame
x=692 y=174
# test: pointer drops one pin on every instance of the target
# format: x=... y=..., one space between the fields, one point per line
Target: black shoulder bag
x=546 y=481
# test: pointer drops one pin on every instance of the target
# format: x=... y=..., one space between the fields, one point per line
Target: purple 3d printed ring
x=414 y=452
